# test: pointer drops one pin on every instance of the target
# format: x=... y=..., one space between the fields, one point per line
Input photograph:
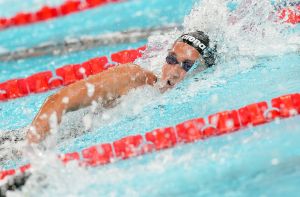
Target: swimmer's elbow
x=52 y=98
x=151 y=79
x=55 y=103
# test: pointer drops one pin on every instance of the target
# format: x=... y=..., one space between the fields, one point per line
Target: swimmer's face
x=174 y=73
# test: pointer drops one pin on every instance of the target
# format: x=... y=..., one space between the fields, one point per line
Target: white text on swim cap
x=195 y=41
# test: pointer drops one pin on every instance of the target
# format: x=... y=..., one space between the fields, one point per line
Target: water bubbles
x=275 y=161
x=100 y=150
x=250 y=29
x=293 y=112
x=214 y=120
x=90 y=89
x=65 y=100
x=199 y=159
x=44 y=116
x=32 y=129
x=53 y=123
x=106 y=116
x=3 y=50
x=87 y=121
x=229 y=123
x=94 y=106
x=214 y=99
x=138 y=13
x=82 y=70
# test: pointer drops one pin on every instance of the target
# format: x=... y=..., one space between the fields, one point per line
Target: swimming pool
x=257 y=161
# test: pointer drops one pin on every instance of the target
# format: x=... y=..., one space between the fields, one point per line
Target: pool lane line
x=67 y=74
x=46 y=13
x=86 y=42
x=190 y=131
x=289 y=13
x=44 y=81
x=70 y=73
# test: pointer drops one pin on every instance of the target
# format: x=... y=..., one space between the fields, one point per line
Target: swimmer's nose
x=176 y=76
x=172 y=75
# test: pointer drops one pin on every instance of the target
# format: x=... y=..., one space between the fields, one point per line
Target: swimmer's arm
x=103 y=88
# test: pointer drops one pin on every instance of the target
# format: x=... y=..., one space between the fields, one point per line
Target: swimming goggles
x=185 y=65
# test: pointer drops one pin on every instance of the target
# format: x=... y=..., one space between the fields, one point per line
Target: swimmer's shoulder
x=130 y=66
x=136 y=70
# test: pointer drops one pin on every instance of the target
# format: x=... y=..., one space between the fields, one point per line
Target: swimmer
x=188 y=51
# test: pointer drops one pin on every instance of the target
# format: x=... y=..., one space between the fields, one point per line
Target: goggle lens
x=186 y=64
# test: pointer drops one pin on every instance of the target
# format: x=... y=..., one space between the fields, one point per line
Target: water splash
x=251 y=30
x=241 y=36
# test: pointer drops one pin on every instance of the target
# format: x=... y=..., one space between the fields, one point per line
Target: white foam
x=90 y=89
x=241 y=36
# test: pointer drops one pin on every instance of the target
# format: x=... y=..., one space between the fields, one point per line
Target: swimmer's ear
x=209 y=56
x=198 y=67
x=198 y=63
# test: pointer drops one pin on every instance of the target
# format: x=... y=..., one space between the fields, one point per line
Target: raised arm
x=104 y=87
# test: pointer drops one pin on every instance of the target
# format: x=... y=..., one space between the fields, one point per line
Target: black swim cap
x=200 y=41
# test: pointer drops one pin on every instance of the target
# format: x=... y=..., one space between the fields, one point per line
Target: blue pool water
x=260 y=161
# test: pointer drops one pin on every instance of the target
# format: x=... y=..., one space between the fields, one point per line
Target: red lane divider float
x=186 y=132
x=45 y=81
x=46 y=12
x=290 y=14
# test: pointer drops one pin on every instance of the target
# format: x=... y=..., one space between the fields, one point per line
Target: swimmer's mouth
x=167 y=85
x=170 y=84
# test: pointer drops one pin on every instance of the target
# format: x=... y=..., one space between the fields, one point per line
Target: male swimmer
x=187 y=51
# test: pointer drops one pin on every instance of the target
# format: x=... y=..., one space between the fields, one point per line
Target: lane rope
x=45 y=81
x=46 y=12
x=86 y=42
x=289 y=14
x=198 y=129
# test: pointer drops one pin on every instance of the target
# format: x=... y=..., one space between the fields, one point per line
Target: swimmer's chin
x=165 y=88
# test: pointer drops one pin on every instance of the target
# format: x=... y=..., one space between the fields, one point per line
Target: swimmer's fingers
x=35 y=135
x=32 y=138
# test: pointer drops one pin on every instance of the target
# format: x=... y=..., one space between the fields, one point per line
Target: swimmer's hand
x=103 y=87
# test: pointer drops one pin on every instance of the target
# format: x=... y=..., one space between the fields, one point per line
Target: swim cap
x=200 y=41
x=196 y=39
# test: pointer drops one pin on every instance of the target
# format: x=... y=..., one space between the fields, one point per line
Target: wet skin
x=104 y=88
x=173 y=74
